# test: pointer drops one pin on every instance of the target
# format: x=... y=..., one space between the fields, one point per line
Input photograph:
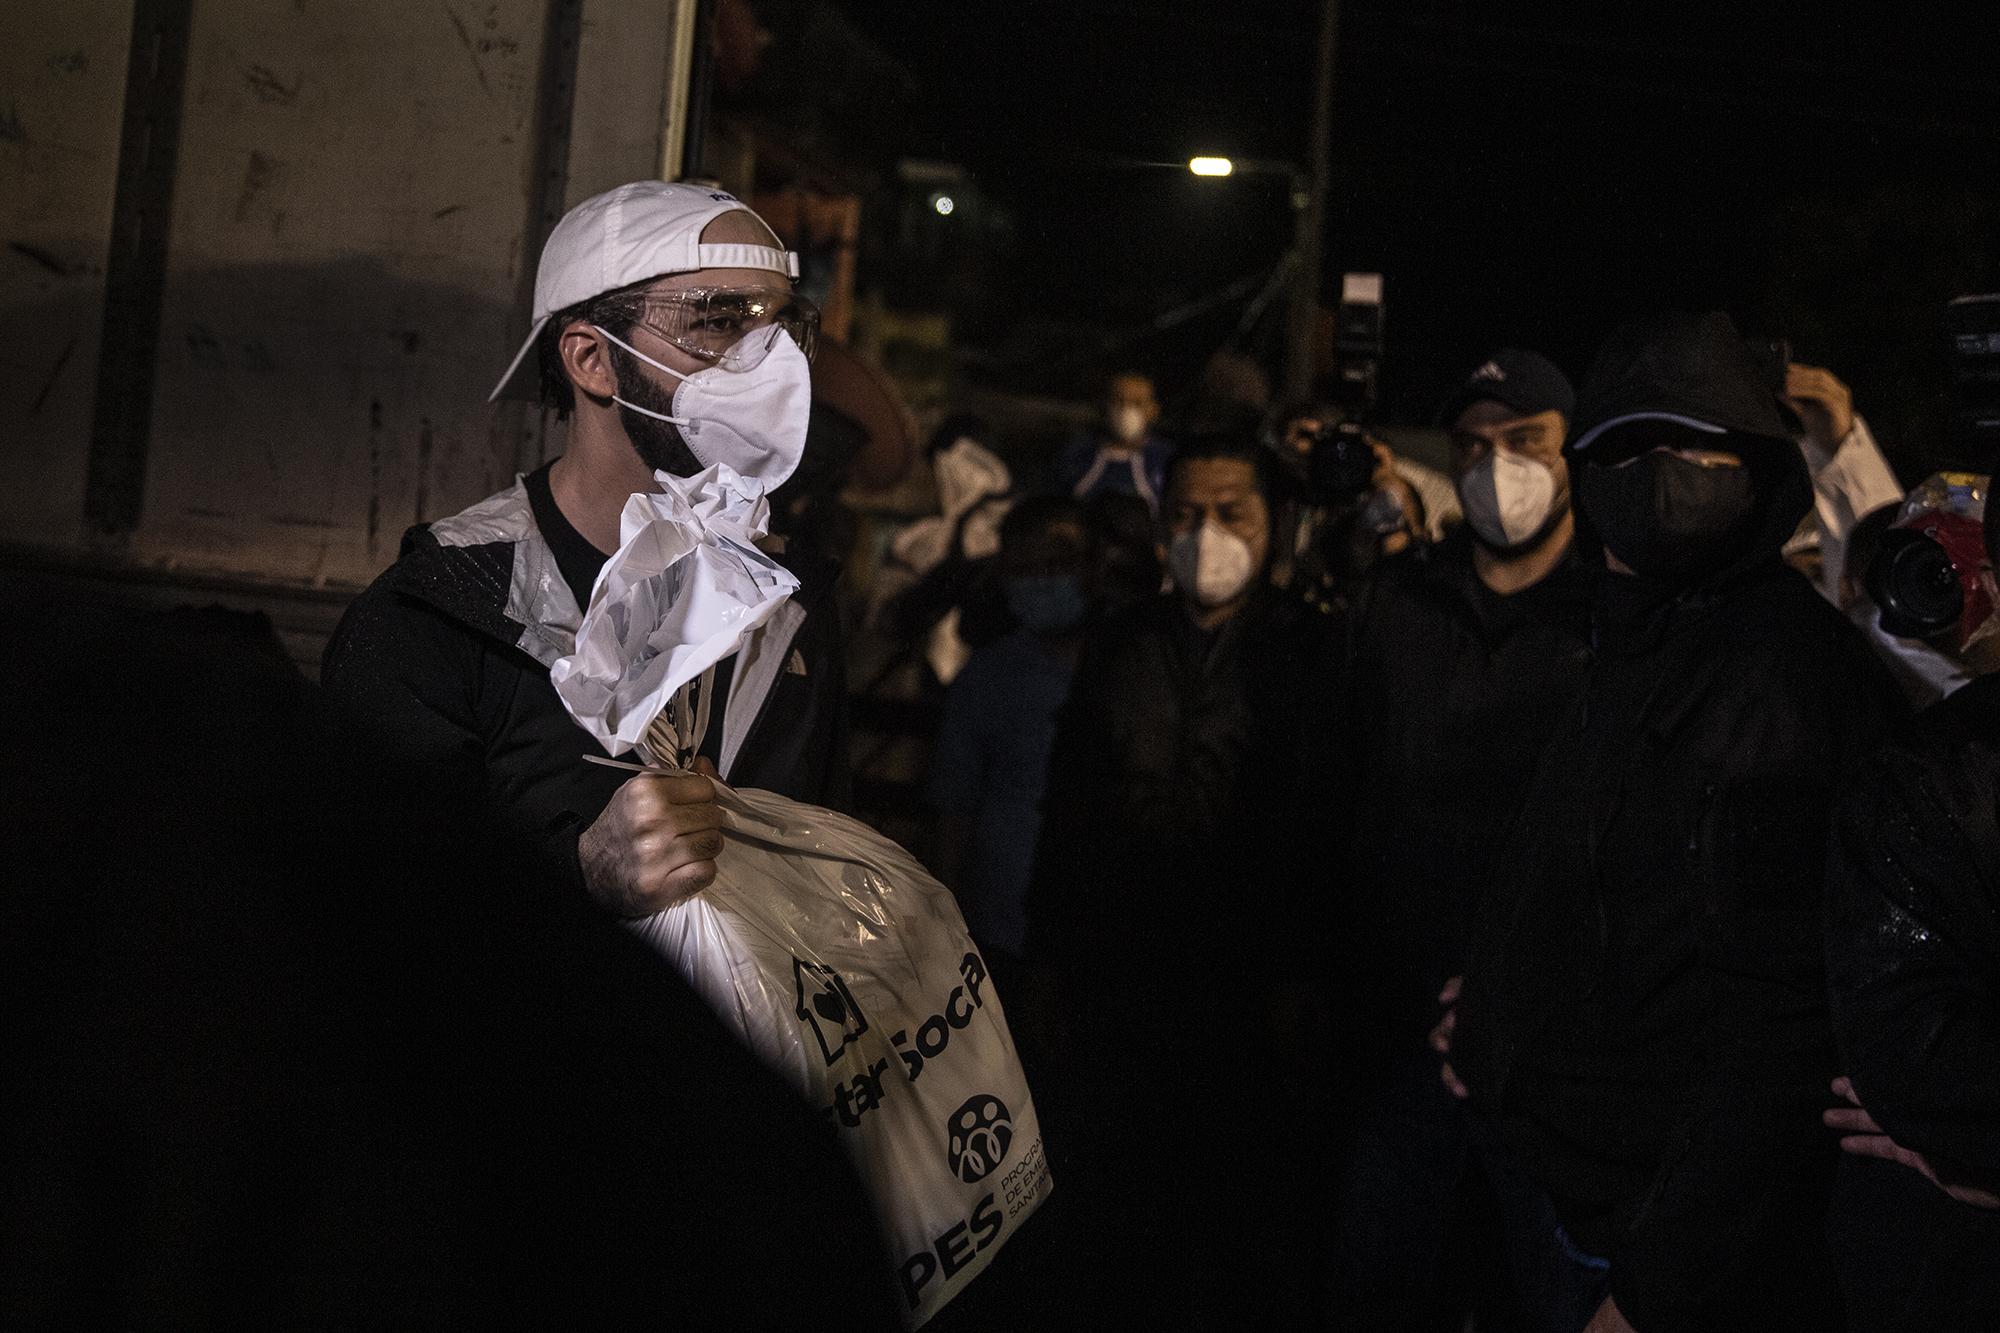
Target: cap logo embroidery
x=1490 y=371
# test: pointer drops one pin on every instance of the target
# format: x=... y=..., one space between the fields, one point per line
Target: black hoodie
x=1644 y=1009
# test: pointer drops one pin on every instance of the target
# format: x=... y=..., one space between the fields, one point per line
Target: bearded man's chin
x=658 y=445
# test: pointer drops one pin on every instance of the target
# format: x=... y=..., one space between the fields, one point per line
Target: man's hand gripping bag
x=842 y=962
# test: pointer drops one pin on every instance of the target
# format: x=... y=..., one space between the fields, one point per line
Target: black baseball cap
x=1527 y=382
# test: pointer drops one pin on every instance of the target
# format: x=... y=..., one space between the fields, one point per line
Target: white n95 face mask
x=1507 y=499
x=1128 y=423
x=1211 y=563
x=753 y=421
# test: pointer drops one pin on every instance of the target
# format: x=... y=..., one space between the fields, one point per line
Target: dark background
x=1518 y=174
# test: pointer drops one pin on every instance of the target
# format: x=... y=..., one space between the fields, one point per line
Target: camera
x=1913 y=582
x=1340 y=464
x=1774 y=358
x=1928 y=577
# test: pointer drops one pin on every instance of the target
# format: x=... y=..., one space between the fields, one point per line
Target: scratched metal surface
x=350 y=224
x=346 y=227
x=62 y=80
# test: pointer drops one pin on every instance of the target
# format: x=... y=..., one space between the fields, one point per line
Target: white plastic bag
x=849 y=970
x=842 y=963
x=685 y=588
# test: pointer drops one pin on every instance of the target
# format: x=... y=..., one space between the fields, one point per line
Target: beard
x=658 y=443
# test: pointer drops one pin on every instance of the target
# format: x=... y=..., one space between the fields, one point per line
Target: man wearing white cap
x=666 y=331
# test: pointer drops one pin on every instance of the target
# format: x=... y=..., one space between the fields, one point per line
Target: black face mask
x=1667 y=518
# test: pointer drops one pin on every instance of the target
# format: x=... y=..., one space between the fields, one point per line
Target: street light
x=1308 y=221
x=944 y=204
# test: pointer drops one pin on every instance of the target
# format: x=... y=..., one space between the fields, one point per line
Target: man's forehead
x=1215 y=479
x=1490 y=415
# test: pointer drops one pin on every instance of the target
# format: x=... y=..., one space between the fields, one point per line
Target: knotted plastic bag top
x=685 y=589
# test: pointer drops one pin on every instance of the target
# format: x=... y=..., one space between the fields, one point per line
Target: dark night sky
x=1518 y=177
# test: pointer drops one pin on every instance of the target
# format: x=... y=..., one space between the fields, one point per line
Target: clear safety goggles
x=732 y=327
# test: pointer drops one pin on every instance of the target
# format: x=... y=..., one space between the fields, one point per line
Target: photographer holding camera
x=1356 y=501
x=1913 y=905
x=1913 y=946
x=1465 y=654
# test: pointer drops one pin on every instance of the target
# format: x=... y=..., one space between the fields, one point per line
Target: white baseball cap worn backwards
x=631 y=234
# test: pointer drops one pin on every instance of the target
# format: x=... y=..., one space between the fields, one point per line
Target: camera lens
x=1914 y=584
x=1342 y=464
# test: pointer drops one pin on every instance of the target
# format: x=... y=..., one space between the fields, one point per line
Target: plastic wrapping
x=685 y=588
x=848 y=969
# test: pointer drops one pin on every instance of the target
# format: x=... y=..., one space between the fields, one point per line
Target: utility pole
x=1309 y=212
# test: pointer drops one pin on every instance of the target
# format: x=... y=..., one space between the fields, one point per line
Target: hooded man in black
x=1644 y=1014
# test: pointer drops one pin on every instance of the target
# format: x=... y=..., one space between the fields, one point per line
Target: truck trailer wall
x=357 y=206
x=62 y=83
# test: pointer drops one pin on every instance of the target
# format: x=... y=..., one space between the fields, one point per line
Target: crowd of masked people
x=1547 y=897
x=1559 y=894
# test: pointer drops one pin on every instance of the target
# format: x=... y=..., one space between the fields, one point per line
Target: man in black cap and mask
x=1465 y=656
x=1644 y=1016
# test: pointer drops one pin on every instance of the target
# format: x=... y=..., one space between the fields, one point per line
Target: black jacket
x=444 y=660
x=1913 y=952
x=1178 y=817
x=1913 y=942
x=1644 y=1008
x=1451 y=692
x=307 y=1041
